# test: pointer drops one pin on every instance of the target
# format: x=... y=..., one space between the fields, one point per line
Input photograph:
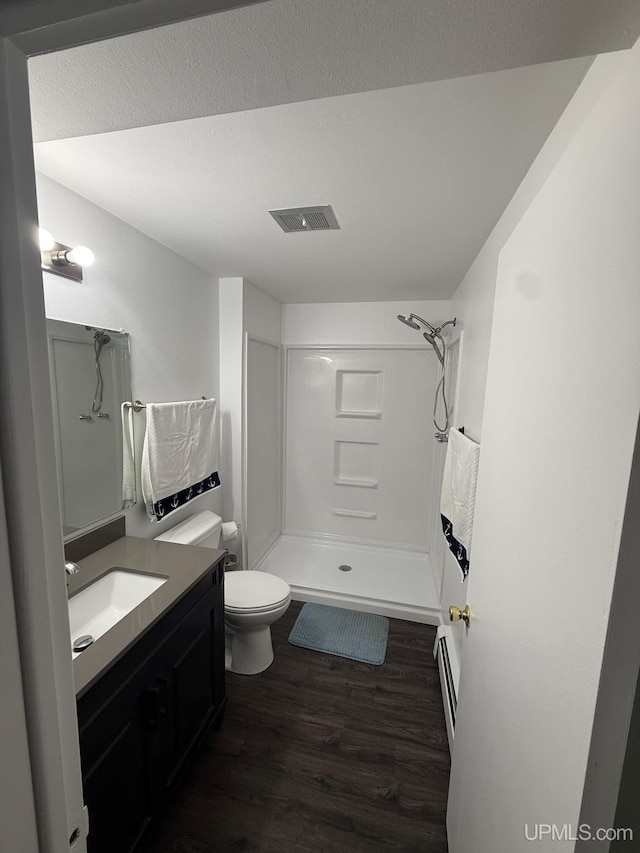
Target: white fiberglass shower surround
x=358 y=475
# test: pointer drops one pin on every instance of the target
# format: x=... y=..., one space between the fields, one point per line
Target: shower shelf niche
x=359 y=393
x=363 y=484
x=375 y=415
x=356 y=463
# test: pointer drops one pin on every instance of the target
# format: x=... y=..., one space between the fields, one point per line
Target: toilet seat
x=257 y=610
x=254 y=592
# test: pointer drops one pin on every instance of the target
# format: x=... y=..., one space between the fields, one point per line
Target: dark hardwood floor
x=320 y=754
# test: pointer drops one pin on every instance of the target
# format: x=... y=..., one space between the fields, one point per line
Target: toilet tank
x=203 y=529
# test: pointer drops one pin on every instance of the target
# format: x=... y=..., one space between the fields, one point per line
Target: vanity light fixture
x=63 y=260
x=46 y=240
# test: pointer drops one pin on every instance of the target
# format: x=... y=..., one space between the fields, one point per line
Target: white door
x=558 y=435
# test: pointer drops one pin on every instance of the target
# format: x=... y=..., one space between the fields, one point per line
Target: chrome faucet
x=71 y=568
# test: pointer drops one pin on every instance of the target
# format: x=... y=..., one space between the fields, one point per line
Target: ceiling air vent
x=320 y=218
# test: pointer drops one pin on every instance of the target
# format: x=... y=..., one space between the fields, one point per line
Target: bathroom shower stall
x=342 y=471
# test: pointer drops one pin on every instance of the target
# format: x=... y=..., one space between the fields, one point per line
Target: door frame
x=18 y=830
x=28 y=458
x=27 y=446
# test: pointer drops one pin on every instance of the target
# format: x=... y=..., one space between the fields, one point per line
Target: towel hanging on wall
x=458 y=501
x=180 y=455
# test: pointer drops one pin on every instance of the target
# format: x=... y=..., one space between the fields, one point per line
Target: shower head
x=433 y=336
x=408 y=321
x=432 y=341
x=101 y=337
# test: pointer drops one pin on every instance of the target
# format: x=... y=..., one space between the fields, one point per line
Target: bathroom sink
x=105 y=602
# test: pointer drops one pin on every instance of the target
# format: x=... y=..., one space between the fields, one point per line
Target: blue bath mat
x=345 y=633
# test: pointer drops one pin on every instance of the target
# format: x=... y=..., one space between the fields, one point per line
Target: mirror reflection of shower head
x=100 y=340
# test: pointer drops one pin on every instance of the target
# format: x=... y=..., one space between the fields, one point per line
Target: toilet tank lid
x=194 y=530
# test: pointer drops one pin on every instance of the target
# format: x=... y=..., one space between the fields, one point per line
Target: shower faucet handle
x=84 y=417
x=442 y=437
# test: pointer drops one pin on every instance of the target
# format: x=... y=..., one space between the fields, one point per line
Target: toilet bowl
x=253 y=601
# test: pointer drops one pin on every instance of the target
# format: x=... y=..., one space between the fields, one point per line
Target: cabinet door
x=139 y=723
x=116 y=786
x=192 y=679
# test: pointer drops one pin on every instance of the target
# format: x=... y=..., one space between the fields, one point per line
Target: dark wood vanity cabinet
x=140 y=722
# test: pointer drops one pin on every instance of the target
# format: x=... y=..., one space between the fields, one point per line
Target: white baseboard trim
x=408 y=612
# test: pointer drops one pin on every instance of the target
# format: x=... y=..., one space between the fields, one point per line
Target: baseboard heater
x=444 y=651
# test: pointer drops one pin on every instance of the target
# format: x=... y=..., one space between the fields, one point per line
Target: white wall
x=358 y=322
x=230 y=318
x=168 y=306
x=559 y=428
x=473 y=301
x=261 y=313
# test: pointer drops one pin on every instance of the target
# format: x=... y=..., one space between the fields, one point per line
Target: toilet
x=253 y=601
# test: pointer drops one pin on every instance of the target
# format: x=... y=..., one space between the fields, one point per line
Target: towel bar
x=138 y=406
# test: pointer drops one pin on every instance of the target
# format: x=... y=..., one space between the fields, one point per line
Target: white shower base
x=389 y=582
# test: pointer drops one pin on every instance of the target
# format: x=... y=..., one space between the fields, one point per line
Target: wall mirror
x=90 y=379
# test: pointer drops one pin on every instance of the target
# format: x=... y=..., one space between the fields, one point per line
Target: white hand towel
x=128 y=468
x=458 y=500
x=180 y=454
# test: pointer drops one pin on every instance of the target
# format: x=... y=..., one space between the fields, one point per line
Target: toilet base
x=248 y=652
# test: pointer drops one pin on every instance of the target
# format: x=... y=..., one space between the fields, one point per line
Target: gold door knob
x=455 y=614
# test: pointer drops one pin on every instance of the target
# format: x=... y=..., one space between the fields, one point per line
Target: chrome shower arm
x=424 y=322
x=435 y=330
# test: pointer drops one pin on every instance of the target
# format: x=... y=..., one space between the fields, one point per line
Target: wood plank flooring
x=320 y=754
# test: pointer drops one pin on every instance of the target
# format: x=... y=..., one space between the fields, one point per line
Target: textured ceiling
x=108 y=17
x=418 y=175
x=284 y=51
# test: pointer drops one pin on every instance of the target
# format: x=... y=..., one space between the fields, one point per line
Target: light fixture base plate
x=73 y=271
